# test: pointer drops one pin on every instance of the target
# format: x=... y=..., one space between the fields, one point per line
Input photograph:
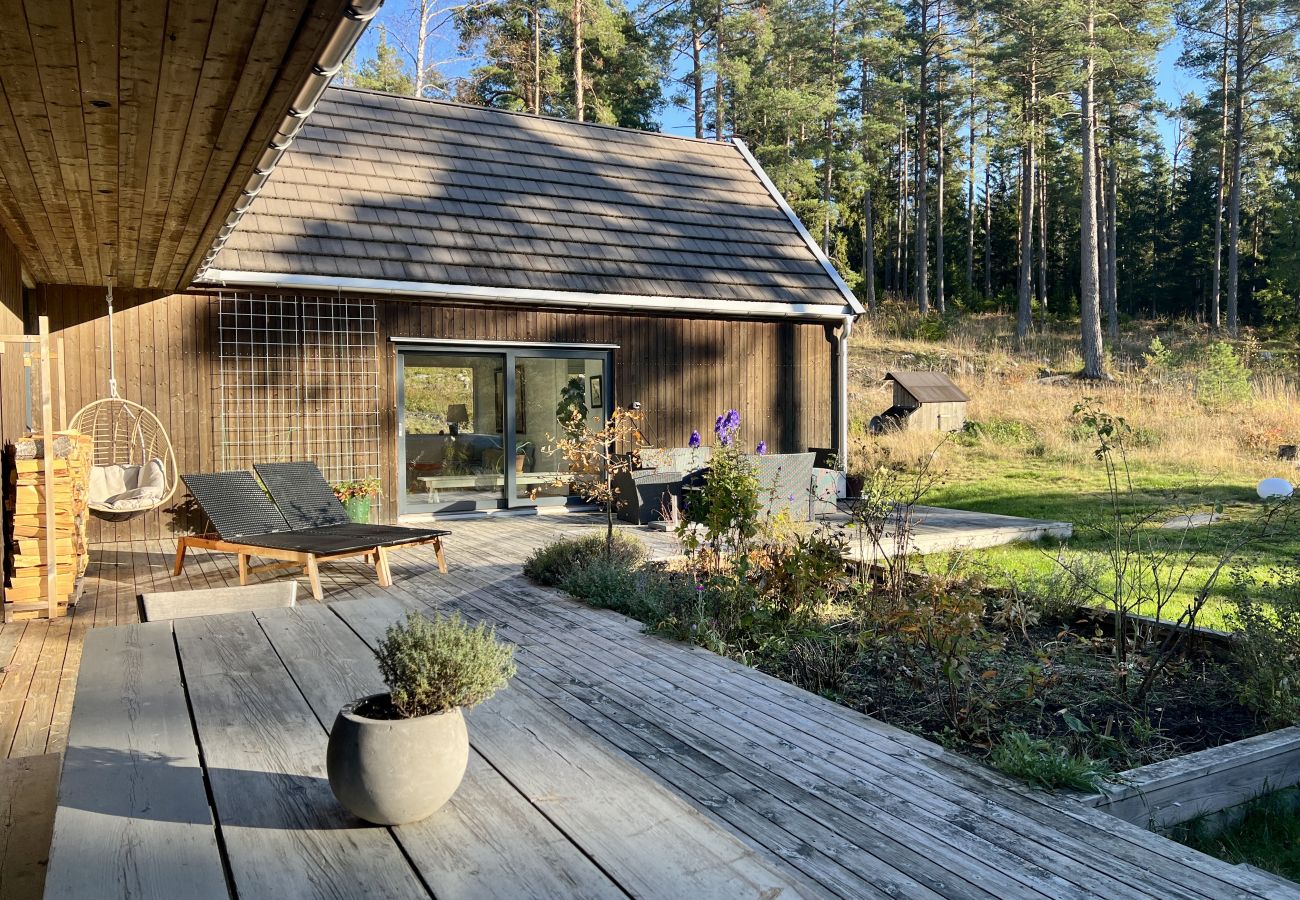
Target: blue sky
x=1172 y=83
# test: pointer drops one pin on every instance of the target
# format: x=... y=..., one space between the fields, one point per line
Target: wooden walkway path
x=842 y=804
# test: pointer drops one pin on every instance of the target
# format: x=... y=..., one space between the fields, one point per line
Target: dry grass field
x=1025 y=454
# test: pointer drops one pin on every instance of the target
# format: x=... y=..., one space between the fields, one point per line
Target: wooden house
x=396 y=288
x=923 y=401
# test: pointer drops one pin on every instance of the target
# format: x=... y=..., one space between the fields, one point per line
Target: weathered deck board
x=487 y=842
x=27 y=790
x=823 y=793
x=284 y=834
x=648 y=840
x=148 y=828
x=811 y=782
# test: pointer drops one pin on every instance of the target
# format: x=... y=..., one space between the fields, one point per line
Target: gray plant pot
x=395 y=771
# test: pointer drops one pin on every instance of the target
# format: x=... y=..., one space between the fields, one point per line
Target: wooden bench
x=216 y=601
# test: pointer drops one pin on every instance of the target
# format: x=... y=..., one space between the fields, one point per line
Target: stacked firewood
x=26 y=531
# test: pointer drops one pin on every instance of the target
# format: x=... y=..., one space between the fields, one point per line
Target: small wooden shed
x=923 y=401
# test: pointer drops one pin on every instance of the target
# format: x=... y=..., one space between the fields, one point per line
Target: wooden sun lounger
x=247 y=523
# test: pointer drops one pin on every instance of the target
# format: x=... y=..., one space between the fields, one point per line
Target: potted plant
x=398 y=757
x=356 y=497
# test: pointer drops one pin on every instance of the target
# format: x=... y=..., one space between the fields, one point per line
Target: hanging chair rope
x=112 y=349
x=134 y=465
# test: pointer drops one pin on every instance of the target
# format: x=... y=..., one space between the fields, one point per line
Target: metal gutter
x=528 y=296
x=347 y=32
x=854 y=304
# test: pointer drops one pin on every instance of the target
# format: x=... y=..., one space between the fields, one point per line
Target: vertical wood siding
x=12 y=384
x=683 y=371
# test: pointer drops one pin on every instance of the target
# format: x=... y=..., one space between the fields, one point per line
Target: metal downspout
x=842 y=394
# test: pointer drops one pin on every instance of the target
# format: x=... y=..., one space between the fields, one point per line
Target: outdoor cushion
x=126 y=487
x=676 y=459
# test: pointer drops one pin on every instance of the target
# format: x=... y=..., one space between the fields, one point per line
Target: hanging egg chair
x=133 y=469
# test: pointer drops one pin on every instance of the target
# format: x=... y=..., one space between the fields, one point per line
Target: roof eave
x=215 y=278
x=347 y=32
x=850 y=298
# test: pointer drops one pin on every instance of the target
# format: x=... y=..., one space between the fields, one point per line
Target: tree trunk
x=868 y=250
x=1103 y=251
x=579 y=89
x=828 y=164
x=424 y=13
x=891 y=245
x=922 y=169
x=697 y=76
x=940 y=289
x=1042 y=244
x=537 y=58
x=719 y=94
x=988 y=213
x=1221 y=182
x=1028 y=188
x=970 y=188
x=1112 y=235
x=868 y=225
x=1089 y=299
x=1234 y=190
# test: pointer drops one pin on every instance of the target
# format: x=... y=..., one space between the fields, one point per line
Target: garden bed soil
x=1195 y=708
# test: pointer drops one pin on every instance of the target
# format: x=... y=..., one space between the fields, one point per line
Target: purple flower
x=726 y=427
x=761 y=448
x=695 y=440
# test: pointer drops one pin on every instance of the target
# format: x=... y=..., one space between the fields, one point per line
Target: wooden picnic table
x=196 y=766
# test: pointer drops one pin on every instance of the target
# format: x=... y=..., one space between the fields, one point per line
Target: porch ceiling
x=129 y=127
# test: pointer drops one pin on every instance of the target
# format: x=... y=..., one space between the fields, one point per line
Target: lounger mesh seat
x=307 y=502
x=247 y=523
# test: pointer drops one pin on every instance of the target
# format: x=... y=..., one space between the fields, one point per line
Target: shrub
x=820 y=663
x=1045 y=765
x=603 y=582
x=801 y=572
x=553 y=564
x=1001 y=431
x=1222 y=380
x=1157 y=358
x=1268 y=647
x=1058 y=593
x=432 y=666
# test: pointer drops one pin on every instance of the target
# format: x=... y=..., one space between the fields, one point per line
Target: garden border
x=1173 y=791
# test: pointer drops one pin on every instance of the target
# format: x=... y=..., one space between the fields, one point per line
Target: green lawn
x=1042 y=488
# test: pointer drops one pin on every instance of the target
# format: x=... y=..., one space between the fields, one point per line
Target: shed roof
x=929 y=387
x=402 y=190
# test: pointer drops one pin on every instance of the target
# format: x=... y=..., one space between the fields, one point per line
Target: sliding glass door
x=476 y=427
x=556 y=395
x=450 y=427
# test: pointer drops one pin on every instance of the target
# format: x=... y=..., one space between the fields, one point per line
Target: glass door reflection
x=552 y=395
x=452 y=419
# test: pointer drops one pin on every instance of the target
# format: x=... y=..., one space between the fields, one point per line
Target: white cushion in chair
x=125 y=487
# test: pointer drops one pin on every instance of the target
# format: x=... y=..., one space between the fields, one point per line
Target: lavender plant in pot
x=398 y=757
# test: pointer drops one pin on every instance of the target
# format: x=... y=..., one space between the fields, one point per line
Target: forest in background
x=1003 y=154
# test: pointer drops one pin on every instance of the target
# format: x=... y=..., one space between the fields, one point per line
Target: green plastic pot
x=358 y=509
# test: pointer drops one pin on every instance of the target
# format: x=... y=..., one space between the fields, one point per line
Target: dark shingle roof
x=928 y=387
x=395 y=188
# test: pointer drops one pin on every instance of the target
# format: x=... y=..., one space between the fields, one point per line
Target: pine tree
x=385 y=70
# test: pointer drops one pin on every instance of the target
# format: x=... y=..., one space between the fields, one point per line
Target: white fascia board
x=854 y=304
x=215 y=278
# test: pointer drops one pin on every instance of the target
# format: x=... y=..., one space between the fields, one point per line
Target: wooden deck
x=837 y=803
